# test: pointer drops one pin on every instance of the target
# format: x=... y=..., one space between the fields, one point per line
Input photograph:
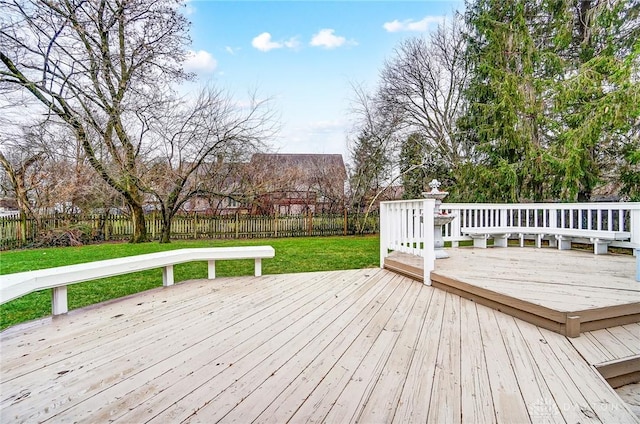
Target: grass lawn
x=292 y=255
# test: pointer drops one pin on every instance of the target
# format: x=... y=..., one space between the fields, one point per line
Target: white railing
x=402 y=222
x=402 y=225
x=585 y=216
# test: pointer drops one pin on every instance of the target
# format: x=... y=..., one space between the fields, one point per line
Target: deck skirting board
x=620 y=372
x=569 y=293
x=569 y=324
x=407 y=270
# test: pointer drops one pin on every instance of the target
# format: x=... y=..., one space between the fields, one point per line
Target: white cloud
x=231 y=50
x=200 y=62
x=263 y=42
x=326 y=38
x=292 y=43
x=411 y=25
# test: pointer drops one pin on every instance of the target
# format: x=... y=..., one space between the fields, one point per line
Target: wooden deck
x=565 y=291
x=614 y=352
x=367 y=346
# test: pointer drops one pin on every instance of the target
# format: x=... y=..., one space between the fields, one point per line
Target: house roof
x=307 y=163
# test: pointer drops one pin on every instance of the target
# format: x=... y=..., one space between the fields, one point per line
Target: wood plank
x=287 y=351
x=505 y=392
x=445 y=396
x=195 y=391
x=559 y=370
x=531 y=382
x=145 y=366
x=223 y=311
x=296 y=389
x=618 y=367
x=499 y=298
x=355 y=394
x=476 y=398
x=611 y=343
x=418 y=388
x=600 y=397
x=630 y=339
x=382 y=402
x=271 y=387
x=593 y=353
x=320 y=401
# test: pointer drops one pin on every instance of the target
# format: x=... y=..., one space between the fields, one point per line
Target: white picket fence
x=402 y=222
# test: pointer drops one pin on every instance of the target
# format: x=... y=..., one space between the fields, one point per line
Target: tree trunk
x=139 y=225
x=165 y=234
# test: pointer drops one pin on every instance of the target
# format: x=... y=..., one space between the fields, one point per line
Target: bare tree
x=96 y=66
x=189 y=133
x=373 y=151
x=20 y=170
x=423 y=84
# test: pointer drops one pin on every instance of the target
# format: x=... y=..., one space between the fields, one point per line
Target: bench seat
x=19 y=284
x=562 y=237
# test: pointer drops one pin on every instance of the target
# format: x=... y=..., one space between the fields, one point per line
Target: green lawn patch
x=293 y=255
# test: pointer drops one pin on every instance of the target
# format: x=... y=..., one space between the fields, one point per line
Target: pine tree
x=554 y=99
x=506 y=113
x=596 y=99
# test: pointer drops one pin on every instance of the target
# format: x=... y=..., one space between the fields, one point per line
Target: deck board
x=544 y=286
x=345 y=346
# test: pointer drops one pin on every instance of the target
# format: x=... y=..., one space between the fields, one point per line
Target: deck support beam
x=572 y=328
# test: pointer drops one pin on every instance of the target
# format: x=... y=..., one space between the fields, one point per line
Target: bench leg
x=480 y=242
x=258 y=267
x=553 y=242
x=211 y=270
x=600 y=247
x=500 y=240
x=563 y=243
x=167 y=275
x=59 y=303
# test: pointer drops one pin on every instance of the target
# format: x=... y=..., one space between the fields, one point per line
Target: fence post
x=345 y=222
x=195 y=225
x=275 y=224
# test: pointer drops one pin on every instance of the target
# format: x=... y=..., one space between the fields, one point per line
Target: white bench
x=560 y=237
x=19 y=284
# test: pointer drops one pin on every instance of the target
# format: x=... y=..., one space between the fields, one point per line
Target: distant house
x=227 y=189
x=298 y=183
x=9 y=207
x=285 y=184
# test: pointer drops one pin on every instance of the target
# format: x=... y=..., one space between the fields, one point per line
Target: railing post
x=637 y=251
x=634 y=225
x=428 y=248
x=384 y=233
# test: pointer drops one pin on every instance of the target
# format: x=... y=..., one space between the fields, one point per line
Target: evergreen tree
x=596 y=98
x=506 y=112
x=554 y=99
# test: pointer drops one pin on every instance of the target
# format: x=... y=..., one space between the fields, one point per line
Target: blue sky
x=305 y=56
